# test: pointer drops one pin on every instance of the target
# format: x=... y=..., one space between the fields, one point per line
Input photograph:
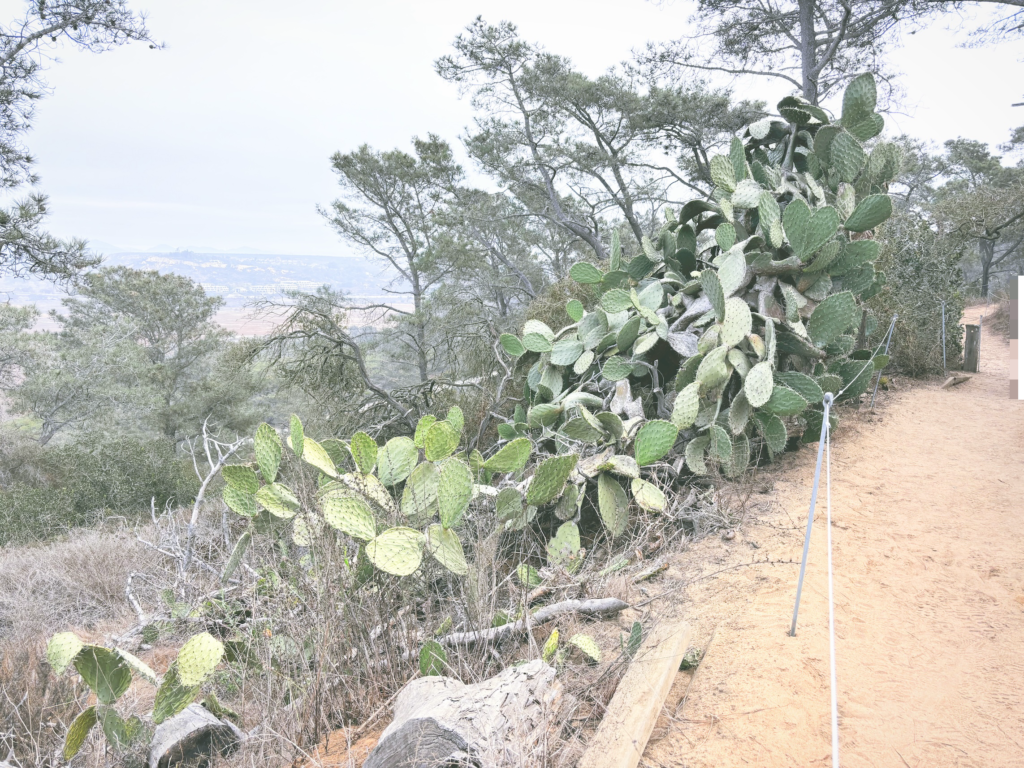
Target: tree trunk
x=807 y=51
x=988 y=250
x=496 y=723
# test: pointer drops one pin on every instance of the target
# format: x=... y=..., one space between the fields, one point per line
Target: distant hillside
x=239 y=278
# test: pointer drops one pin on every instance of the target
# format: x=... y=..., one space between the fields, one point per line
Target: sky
x=222 y=140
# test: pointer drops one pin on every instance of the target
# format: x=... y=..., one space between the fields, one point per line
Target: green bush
x=78 y=483
x=922 y=271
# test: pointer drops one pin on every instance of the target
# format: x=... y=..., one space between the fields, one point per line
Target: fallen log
x=955 y=379
x=604 y=606
x=192 y=737
x=498 y=723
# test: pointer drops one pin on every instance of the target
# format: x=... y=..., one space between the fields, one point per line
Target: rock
x=440 y=721
x=192 y=736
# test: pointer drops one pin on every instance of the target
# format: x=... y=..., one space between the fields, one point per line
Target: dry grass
x=998 y=317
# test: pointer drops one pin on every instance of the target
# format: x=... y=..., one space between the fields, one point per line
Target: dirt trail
x=928 y=529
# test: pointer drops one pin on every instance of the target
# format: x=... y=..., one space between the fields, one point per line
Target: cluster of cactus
x=109 y=672
x=733 y=322
x=420 y=485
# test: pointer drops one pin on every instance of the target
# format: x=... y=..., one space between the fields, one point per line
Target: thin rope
x=831 y=600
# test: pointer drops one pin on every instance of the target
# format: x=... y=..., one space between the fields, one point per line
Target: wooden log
x=622 y=736
x=192 y=737
x=952 y=381
x=972 y=348
x=498 y=723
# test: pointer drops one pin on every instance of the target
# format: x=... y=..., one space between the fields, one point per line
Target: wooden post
x=972 y=345
x=623 y=733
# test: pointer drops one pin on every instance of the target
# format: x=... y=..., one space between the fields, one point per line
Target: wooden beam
x=972 y=347
x=622 y=736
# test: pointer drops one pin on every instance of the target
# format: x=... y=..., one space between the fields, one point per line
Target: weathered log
x=499 y=722
x=192 y=736
x=953 y=380
x=598 y=607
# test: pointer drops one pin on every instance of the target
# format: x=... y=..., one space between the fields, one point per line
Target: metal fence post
x=888 y=338
x=943 y=339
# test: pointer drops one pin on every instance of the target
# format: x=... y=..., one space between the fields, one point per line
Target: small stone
x=729 y=535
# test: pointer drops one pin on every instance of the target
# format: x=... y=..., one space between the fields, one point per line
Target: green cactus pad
x=826 y=256
x=104 y=671
x=236 y=555
x=747 y=194
x=830 y=382
x=456 y=418
x=566 y=351
x=654 y=440
x=364 y=452
x=695 y=454
x=454 y=491
x=512 y=345
x=425 y=423
x=612 y=424
x=712 y=371
x=371 y=489
x=612 y=504
x=725 y=236
x=440 y=441
x=398 y=551
x=350 y=514
x=732 y=272
x=61 y=651
x=802 y=384
x=508 y=504
x=543 y=415
x=580 y=429
x=568 y=505
x=172 y=697
x=593 y=328
x=537 y=336
x=528 y=576
x=713 y=290
x=511 y=458
x=687 y=403
x=616 y=368
x=267 y=445
x=240 y=502
x=198 y=658
x=872 y=211
x=296 y=436
x=616 y=300
x=628 y=333
x=586 y=273
x=738 y=322
x=79 y=729
x=316 y=455
x=397 y=460
x=433 y=659
x=740 y=457
x=583 y=362
x=240 y=477
x=855 y=255
x=856 y=378
x=720 y=446
x=808 y=231
x=758 y=385
x=648 y=495
x=784 y=402
x=739 y=413
x=846 y=157
x=859 y=100
x=587 y=645
x=445 y=547
x=574 y=309
x=831 y=318
x=773 y=431
x=278 y=500
x=419 y=497
x=549 y=479
x=738 y=359
x=722 y=173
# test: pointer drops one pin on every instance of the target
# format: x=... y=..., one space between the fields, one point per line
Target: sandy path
x=928 y=525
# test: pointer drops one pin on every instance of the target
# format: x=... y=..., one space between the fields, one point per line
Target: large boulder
x=440 y=721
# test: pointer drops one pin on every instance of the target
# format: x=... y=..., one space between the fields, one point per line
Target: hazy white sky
x=223 y=139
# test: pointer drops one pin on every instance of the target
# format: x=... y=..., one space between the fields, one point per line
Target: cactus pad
x=586 y=643
x=802 y=384
x=740 y=457
x=172 y=697
x=240 y=502
x=784 y=402
x=454 y=491
x=566 y=351
x=564 y=548
x=433 y=659
x=543 y=415
x=648 y=495
x=612 y=504
x=830 y=318
x=425 y=423
x=616 y=368
x=722 y=173
x=574 y=309
x=872 y=211
x=511 y=457
x=808 y=231
x=316 y=455
x=371 y=489
x=512 y=345
x=568 y=505
x=446 y=548
x=758 y=385
x=738 y=322
x=419 y=497
x=267 y=445
x=733 y=272
x=398 y=551
x=79 y=729
x=296 y=436
x=198 y=658
x=586 y=273
x=349 y=514
x=236 y=555
x=549 y=479
x=654 y=440
x=508 y=504
x=695 y=454
x=397 y=460
x=739 y=413
x=747 y=194
x=773 y=431
x=687 y=403
x=720 y=445
x=61 y=651
x=240 y=477
x=713 y=371
x=440 y=442
x=364 y=452
x=104 y=671
x=278 y=500
x=713 y=290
